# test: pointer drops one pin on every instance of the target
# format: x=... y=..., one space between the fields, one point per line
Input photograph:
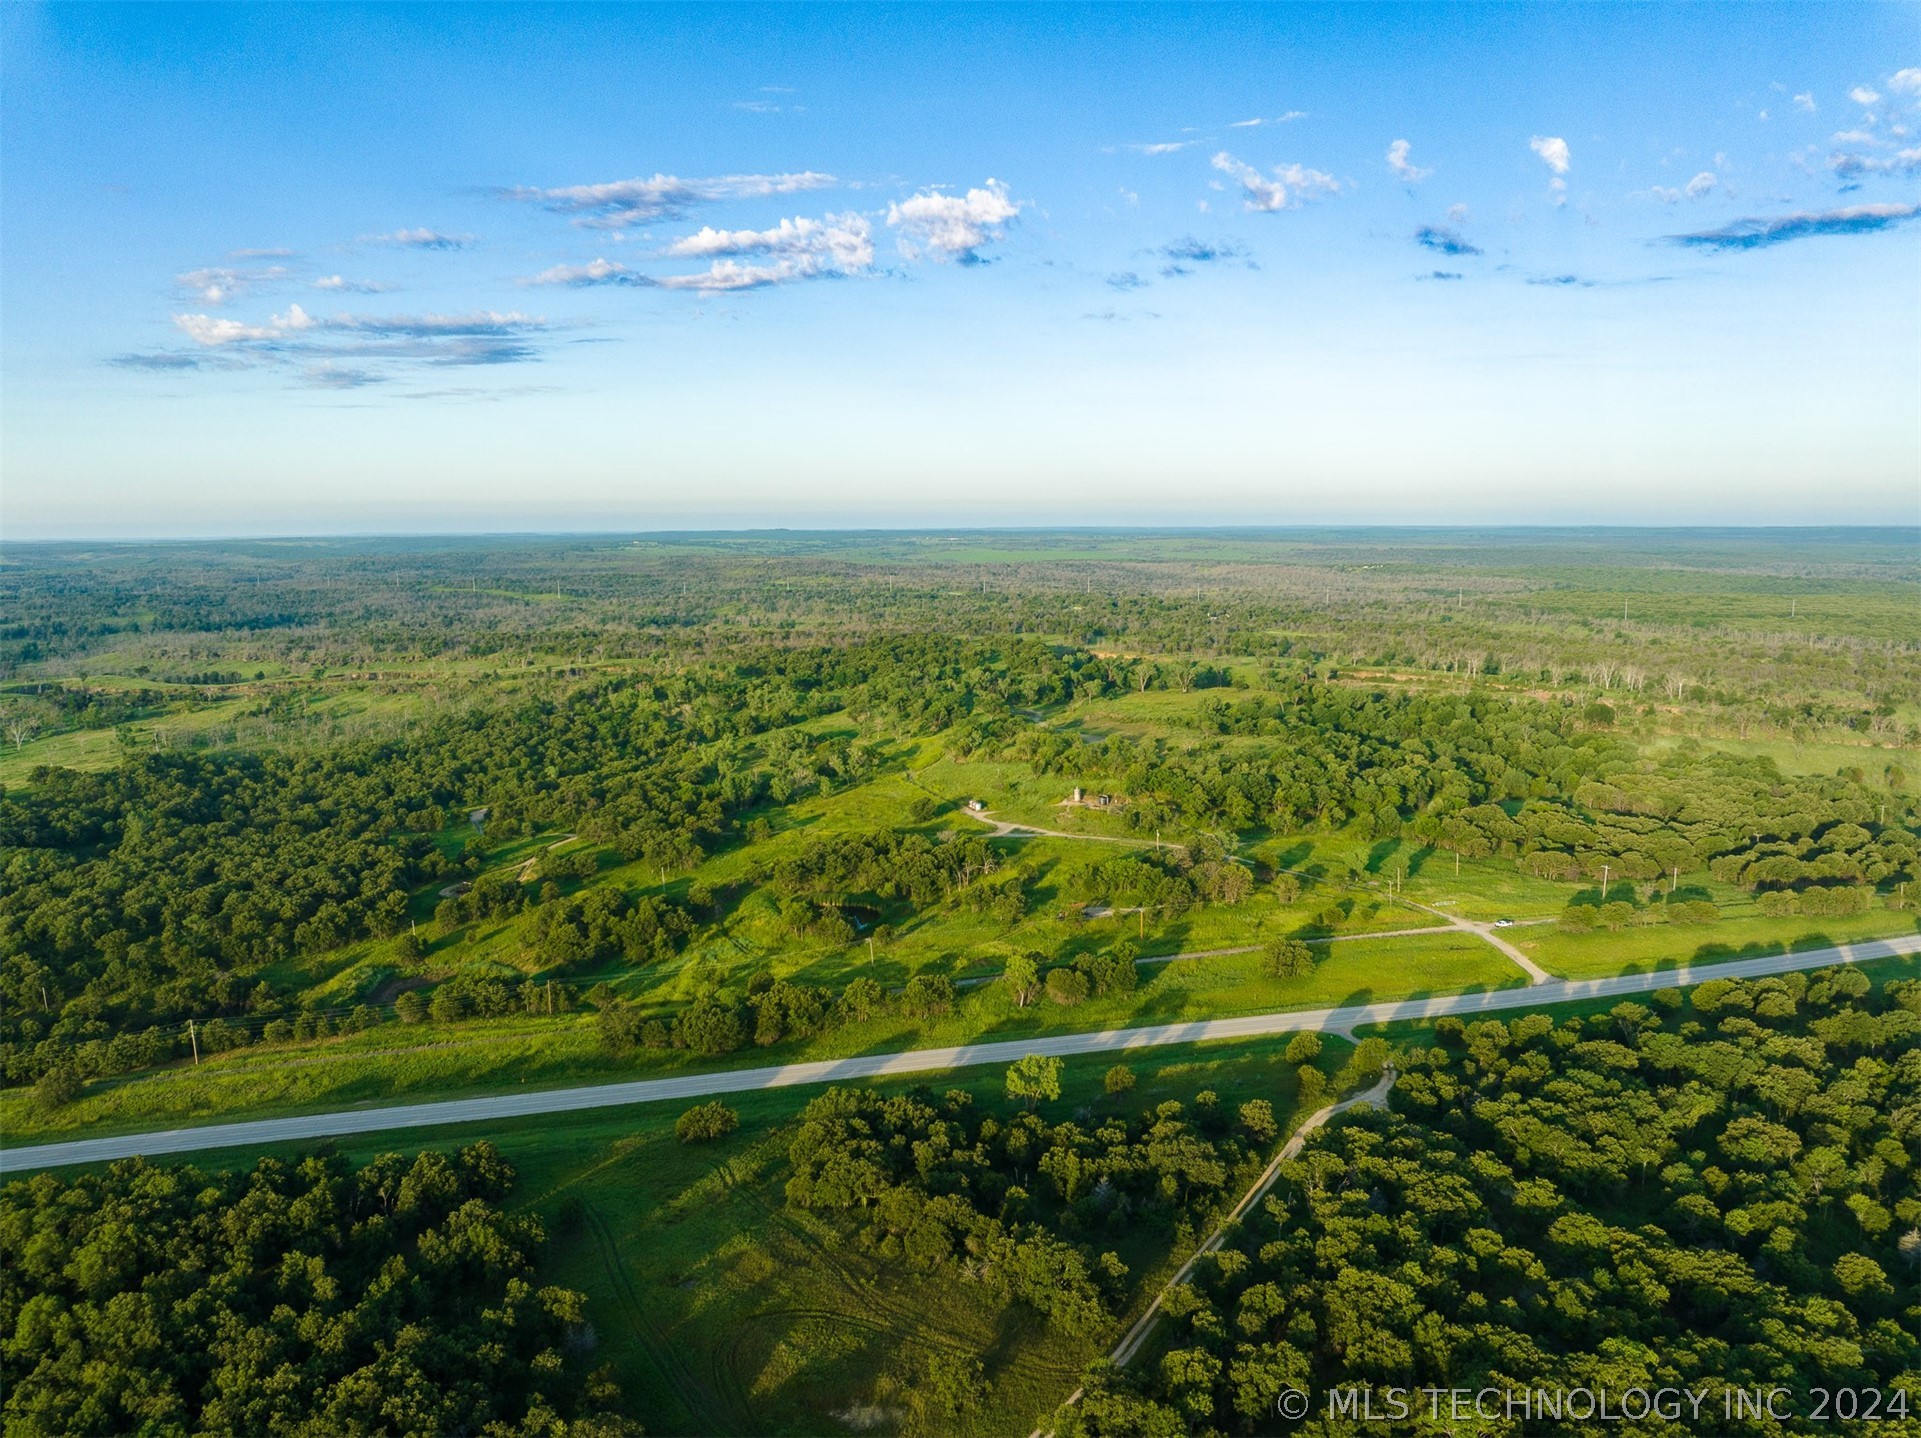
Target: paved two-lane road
x=690 y=1086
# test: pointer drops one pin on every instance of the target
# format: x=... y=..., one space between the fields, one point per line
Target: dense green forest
x=308 y=1297
x=1716 y=1191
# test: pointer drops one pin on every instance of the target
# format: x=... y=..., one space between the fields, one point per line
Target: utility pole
x=1604 y=883
x=194 y=1039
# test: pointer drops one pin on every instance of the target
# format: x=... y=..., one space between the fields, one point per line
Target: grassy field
x=395 y=1063
x=1666 y=946
x=399 y=1063
x=1420 y=1031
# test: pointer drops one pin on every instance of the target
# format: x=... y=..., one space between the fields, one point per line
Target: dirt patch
x=390 y=989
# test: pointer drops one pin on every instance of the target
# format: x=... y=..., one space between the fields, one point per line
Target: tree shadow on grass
x=1378 y=856
x=1294 y=856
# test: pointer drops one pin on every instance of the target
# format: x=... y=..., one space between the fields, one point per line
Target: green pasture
x=194 y=723
x=1665 y=946
x=402 y=1063
x=1421 y=1031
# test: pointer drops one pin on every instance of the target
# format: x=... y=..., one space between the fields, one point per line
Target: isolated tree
x=1287 y=958
x=56 y=1088
x=1022 y=975
x=862 y=999
x=1066 y=986
x=1034 y=1078
x=1257 y=1117
x=706 y=1122
x=1120 y=1079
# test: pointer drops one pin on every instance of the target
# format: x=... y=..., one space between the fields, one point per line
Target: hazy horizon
x=1895 y=531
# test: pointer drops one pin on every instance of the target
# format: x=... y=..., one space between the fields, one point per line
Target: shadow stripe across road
x=347 y=1123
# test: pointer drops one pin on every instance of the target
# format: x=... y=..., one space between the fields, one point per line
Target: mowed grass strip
x=1666 y=946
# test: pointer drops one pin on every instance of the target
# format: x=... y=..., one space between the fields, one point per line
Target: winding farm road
x=1535 y=973
x=495 y=1107
x=1004 y=829
x=1131 y=1341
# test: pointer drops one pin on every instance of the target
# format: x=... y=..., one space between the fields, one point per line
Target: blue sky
x=280 y=269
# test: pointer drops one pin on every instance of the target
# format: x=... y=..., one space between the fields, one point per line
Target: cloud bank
x=1760 y=232
x=618 y=204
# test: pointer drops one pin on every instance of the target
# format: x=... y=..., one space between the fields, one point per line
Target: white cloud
x=595 y=272
x=215 y=286
x=724 y=276
x=314 y=349
x=1695 y=188
x=1901 y=162
x=1862 y=95
x=952 y=226
x=1287 y=119
x=1290 y=185
x=1906 y=82
x=211 y=331
x=340 y=284
x=1159 y=147
x=1805 y=101
x=1457 y=214
x=421 y=239
x=1553 y=152
x=617 y=204
x=843 y=242
x=1398 y=162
